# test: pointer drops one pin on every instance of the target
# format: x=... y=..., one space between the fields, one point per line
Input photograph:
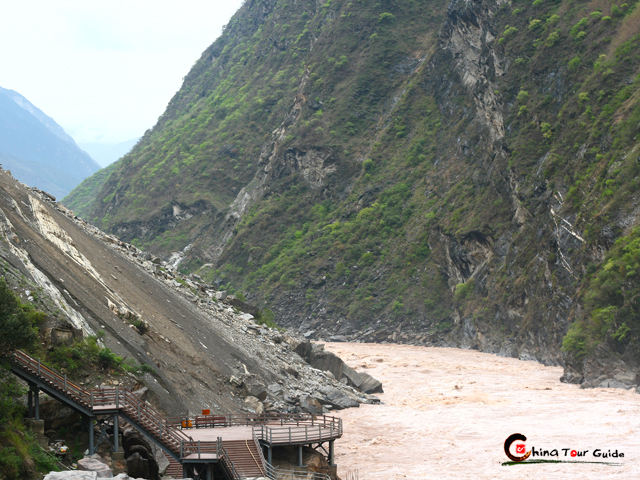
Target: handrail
x=273 y=428
x=274 y=473
x=121 y=399
x=223 y=456
x=263 y=462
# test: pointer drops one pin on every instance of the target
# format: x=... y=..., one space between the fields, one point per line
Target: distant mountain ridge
x=37 y=150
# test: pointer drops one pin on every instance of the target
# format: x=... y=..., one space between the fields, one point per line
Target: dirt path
x=447 y=413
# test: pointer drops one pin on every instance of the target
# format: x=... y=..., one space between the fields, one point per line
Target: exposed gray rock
x=141 y=393
x=311 y=405
x=353 y=378
x=257 y=390
x=254 y=404
x=93 y=465
x=338 y=338
x=71 y=475
x=337 y=398
x=160 y=458
x=275 y=389
x=604 y=368
x=221 y=295
x=370 y=384
x=327 y=361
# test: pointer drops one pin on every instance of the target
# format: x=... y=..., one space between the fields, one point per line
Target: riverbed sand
x=446 y=414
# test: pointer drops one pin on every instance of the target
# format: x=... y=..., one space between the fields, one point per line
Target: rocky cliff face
x=442 y=174
x=203 y=353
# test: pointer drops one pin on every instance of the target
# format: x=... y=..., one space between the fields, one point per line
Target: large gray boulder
x=337 y=398
x=71 y=475
x=88 y=464
x=370 y=384
x=353 y=378
x=311 y=405
x=257 y=390
x=327 y=361
x=138 y=466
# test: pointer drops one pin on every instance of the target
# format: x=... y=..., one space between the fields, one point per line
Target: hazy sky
x=104 y=70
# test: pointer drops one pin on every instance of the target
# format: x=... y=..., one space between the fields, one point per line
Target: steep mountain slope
x=37 y=149
x=202 y=353
x=408 y=171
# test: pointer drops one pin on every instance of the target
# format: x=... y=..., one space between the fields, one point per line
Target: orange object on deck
x=187 y=423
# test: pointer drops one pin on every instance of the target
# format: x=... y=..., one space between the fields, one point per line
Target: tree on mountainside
x=17 y=321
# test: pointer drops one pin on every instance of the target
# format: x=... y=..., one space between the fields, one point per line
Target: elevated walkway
x=216 y=446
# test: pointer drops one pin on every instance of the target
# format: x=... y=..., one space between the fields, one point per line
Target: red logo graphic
x=520 y=447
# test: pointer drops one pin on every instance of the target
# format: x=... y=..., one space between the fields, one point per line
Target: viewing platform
x=230 y=446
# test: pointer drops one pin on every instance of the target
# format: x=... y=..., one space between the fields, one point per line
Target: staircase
x=245 y=456
x=174 y=469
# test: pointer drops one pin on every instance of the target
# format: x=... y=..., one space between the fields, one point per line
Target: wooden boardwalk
x=233 y=441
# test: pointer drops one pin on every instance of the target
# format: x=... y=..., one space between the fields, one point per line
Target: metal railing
x=272 y=428
x=279 y=474
x=120 y=399
x=141 y=412
x=54 y=379
x=201 y=450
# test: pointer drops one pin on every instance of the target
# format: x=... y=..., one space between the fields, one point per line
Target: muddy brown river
x=448 y=412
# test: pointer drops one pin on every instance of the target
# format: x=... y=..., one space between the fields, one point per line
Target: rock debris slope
x=204 y=353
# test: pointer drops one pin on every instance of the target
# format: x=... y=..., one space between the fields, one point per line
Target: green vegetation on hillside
x=431 y=214
x=20 y=455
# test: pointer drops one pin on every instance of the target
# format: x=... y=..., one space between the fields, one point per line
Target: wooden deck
x=228 y=439
x=226 y=433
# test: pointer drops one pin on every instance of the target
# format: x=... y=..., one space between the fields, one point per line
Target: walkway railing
x=279 y=474
x=193 y=450
x=272 y=428
x=106 y=399
x=52 y=378
x=141 y=412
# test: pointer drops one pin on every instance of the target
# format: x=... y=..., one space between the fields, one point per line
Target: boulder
x=139 y=467
x=134 y=443
x=143 y=451
x=327 y=361
x=311 y=405
x=254 y=404
x=93 y=465
x=301 y=348
x=141 y=393
x=338 y=338
x=161 y=459
x=353 y=378
x=242 y=306
x=370 y=384
x=337 y=398
x=275 y=389
x=221 y=295
x=71 y=475
x=257 y=390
